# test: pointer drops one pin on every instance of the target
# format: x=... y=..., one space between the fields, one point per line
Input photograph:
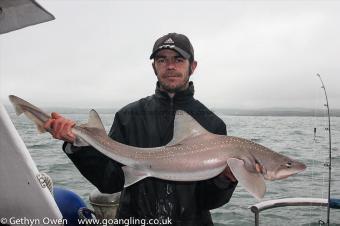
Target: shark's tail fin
x=15 y=101
x=35 y=114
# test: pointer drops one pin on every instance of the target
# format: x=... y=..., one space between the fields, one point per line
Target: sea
x=292 y=136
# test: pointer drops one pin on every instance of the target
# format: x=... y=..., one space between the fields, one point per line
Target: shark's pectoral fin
x=133 y=175
x=78 y=142
x=252 y=182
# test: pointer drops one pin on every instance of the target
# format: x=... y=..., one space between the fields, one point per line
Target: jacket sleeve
x=103 y=172
x=217 y=191
x=212 y=195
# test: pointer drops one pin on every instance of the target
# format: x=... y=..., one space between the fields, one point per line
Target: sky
x=251 y=54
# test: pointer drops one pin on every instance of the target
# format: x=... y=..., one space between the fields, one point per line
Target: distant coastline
x=282 y=112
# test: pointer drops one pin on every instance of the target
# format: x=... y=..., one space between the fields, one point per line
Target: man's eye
x=160 y=60
x=179 y=60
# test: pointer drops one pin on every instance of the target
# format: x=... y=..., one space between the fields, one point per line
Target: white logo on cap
x=169 y=41
x=166 y=47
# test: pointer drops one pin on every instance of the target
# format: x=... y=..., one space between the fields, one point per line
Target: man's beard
x=175 y=89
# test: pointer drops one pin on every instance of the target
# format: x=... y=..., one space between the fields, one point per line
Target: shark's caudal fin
x=185 y=126
x=20 y=105
x=39 y=125
x=252 y=182
x=94 y=121
x=15 y=101
x=34 y=113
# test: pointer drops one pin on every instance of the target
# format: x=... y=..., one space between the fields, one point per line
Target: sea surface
x=292 y=136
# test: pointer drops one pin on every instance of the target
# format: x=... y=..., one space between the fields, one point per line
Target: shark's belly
x=198 y=165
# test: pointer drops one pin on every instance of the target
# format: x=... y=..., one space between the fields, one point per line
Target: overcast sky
x=251 y=54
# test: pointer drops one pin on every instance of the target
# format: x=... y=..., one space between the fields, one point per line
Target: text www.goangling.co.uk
x=125 y=222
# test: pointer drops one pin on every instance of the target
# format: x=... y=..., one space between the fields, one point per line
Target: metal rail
x=257 y=208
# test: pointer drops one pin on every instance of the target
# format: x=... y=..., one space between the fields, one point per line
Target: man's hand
x=60 y=127
x=228 y=174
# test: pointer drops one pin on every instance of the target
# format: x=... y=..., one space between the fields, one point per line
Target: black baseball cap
x=178 y=42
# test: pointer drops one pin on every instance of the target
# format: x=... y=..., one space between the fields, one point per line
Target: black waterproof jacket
x=149 y=123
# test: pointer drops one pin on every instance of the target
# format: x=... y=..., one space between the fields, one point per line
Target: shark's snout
x=289 y=168
x=284 y=170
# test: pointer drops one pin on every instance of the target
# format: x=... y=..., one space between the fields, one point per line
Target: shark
x=193 y=154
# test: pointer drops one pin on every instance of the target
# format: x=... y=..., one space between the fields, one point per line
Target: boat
x=28 y=196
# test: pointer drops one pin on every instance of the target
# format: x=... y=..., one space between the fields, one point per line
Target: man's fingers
x=57 y=128
x=56 y=115
x=227 y=173
x=63 y=127
x=60 y=127
x=258 y=168
x=67 y=130
x=48 y=124
x=51 y=122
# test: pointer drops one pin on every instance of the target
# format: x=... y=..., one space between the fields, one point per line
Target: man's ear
x=192 y=67
x=154 y=68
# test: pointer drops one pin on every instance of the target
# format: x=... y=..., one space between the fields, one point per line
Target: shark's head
x=283 y=168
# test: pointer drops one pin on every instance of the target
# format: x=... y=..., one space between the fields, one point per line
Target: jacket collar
x=180 y=96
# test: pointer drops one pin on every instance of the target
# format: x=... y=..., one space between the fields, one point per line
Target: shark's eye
x=288 y=164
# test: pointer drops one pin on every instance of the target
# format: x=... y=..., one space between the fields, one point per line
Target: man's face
x=172 y=70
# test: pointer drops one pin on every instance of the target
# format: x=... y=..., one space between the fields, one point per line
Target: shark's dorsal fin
x=94 y=121
x=185 y=126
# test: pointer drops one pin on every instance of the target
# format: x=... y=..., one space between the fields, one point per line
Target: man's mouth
x=172 y=76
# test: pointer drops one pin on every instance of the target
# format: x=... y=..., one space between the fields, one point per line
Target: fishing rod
x=330 y=150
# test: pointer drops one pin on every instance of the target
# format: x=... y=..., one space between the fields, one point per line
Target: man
x=149 y=123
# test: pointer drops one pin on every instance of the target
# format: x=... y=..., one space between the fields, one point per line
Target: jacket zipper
x=171 y=105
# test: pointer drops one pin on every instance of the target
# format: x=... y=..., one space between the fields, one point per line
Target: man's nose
x=171 y=65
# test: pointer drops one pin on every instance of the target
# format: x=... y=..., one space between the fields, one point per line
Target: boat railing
x=270 y=204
